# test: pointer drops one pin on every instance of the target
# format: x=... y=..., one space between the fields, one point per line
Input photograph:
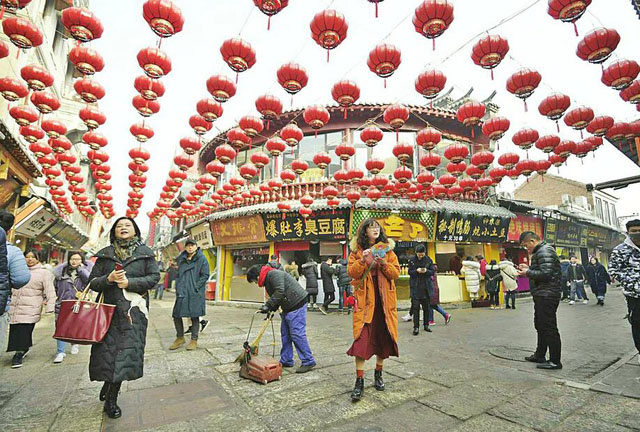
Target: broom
x=252 y=348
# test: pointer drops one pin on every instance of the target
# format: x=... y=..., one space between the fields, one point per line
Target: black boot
x=104 y=390
x=427 y=329
x=358 y=390
x=111 y=404
x=378 y=382
x=415 y=331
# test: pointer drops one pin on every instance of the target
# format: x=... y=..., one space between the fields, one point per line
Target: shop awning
x=64 y=234
x=34 y=218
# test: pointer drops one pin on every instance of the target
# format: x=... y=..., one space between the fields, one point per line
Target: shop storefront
x=569 y=238
x=511 y=248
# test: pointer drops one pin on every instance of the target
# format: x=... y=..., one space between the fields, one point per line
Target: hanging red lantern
x=354 y=175
x=13 y=89
x=45 y=102
x=526 y=167
x=32 y=133
x=97 y=157
x=631 y=94
x=470 y=114
x=600 y=125
x=475 y=172
x=617 y=132
x=430 y=83
x=259 y=159
x=430 y=161
x=374 y=166
x=163 y=16
x=150 y=89
x=305 y=212
x=225 y=153
x=269 y=106
x=322 y=160
x=141 y=132
x=40 y=149
x=316 y=116
x=48 y=161
x=489 y=51
x=86 y=60
x=364 y=184
x=292 y=135
x=595 y=142
x=542 y=166
x=82 y=24
x=554 y=106
x=467 y=184
x=619 y=74
x=183 y=162
x=428 y=138
x=251 y=125
x=425 y=178
x=292 y=77
x=447 y=180
x=508 y=160
x=482 y=159
x=287 y=176
x=94 y=140
x=525 y=138
x=547 y=143
x=22 y=32
x=89 y=90
x=432 y=18
x=456 y=153
x=145 y=108
x=565 y=148
x=371 y=135
x=403 y=151
x=139 y=155
x=345 y=151
x=380 y=181
x=384 y=59
x=345 y=93
x=270 y=8
x=154 y=62
x=221 y=87
x=299 y=166
x=485 y=183
x=523 y=83
x=568 y=10
x=456 y=169
x=275 y=146
x=37 y=77
x=582 y=149
x=4 y=49
x=238 y=138
x=199 y=124
x=53 y=128
x=598 y=45
x=497 y=174
x=190 y=145
x=496 y=127
x=353 y=196
x=215 y=168
x=330 y=192
x=439 y=191
x=24 y=114
x=396 y=116
x=306 y=200
x=403 y=174
x=578 y=118
x=329 y=29
x=209 y=110
x=238 y=54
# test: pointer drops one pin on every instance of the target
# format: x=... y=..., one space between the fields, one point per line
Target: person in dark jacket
x=576 y=276
x=5 y=289
x=310 y=273
x=326 y=272
x=566 y=286
x=286 y=293
x=598 y=279
x=492 y=279
x=544 y=278
x=274 y=263
x=172 y=275
x=344 y=283
x=421 y=272
x=193 y=273
x=455 y=262
x=124 y=272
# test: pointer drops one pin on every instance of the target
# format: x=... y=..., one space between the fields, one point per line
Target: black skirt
x=20 y=337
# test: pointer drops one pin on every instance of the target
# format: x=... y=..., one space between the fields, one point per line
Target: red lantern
x=141 y=132
x=456 y=153
x=345 y=93
x=430 y=83
x=292 y=135
x=48 y=161
x=329 y=29
x=578 y=118
x=53 y=128
x=384 y=59
x=467 y=184
x=403 y=174
x=617 y=132
x=353 y=196
x=40 y=149
x=345 y=151
x=97 y=157
x=83 y=25
x=37 y=77
x=374 y=166
x=287 y=176
x=432 y=18
x=595 y=142
x=209 y=110
x=598 y=45
x=482 y=159
x=403 y=151
x=526 y=167
x=600 y=125
x=425 y=178
x=568 y=10
x=619 y=74
x=183 y=161
x=139 y=155
x=299 y=166
x=269 y=106
x=163 y=16
x=221 y=87
x=305 y=212
x=582 y=148
x=306 y=200
x=292 y=77
x=474 y=172
x=65 y=159
x=364 y=184
x=238 y=54
x=523 y=83
x=489 y=51
x=270 y=8
x=225 y=153
x=554 y=106
x=199 y=124
x=86 y=60
x=145 y=108
x=371 y=135
x=565 y=148
x=316 y=116
x=497 y=174
x=275 y=146
x=447 y=180
x=354 y=175
x=13 y=89
x=380 y=181
x=154 y=62
x=45 y=102
x=496 y=127
x=470 y=114
x=190 y=145
x=24 y=114
x=525 y=138
x=259 y=159
x=547 y=143
x=439 y=191
x=456 y=169
x=94 y=140
x=508 y=160
x=395 y=116
x=251 y=125
x=148 y=88
x=631 y=93
x=22 y=32
x=485 y=183
x=4 y=50
x=430 y=161
x=32 y=133
x=428 y=138
x=542 y=166
x=322 y=160
x=238 y=138
x=89 y=90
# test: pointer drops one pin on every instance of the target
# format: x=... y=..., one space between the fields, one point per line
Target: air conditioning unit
x=566 y=199
x=582 y=202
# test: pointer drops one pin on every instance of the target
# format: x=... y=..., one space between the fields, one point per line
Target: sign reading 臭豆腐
x=321 y=225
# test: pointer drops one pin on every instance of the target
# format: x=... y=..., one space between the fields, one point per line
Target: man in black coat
x=326 y=273
x=344 y=282
x=545 y=279
x=286 y=293
x=576 y=277
x=421 y=273
x=275 y=263
x=310 y=273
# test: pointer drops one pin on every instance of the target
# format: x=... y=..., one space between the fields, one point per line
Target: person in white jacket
x=510 y=281
x=472 y=276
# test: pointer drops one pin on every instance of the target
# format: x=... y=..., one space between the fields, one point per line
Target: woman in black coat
x=326 y=273
x=120 y=356
x=310 y=273
x=492 y=282
x=598 y=279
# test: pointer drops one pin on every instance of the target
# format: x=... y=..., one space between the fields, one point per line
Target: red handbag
x=83 y=321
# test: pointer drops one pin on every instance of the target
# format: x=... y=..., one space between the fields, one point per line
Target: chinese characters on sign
x=242 y=230
x=403 y=229
x=523 y=223
x=457 y=227
x=202 y=235
x=36 y=223
x=323 y=225
x=565 y=233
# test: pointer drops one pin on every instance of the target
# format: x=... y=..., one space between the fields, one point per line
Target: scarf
x=263 y=275
x=125 y=248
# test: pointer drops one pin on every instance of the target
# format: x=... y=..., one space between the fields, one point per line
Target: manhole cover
x=510 y=353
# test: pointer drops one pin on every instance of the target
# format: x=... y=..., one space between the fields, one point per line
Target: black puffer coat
x=326 y=272
x=284 y=291
x=341 y=273
x=492 y=278
x=421 y=284
x=310 y=273
x=544 y=273
x=120 y=356
x=5 y=289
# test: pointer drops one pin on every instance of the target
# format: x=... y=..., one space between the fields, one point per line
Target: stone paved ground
x=467 y=376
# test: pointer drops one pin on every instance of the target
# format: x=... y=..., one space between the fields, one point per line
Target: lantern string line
x=246 y=20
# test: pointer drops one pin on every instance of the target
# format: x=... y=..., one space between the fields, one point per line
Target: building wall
x=548 y=192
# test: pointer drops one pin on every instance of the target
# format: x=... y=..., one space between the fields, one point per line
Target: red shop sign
x=524 y=223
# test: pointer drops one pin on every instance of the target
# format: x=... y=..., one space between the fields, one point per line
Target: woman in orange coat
x=375 y=317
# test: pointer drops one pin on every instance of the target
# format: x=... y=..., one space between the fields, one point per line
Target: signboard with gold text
x=459 y=227
x=321 y=225
x=241 y=230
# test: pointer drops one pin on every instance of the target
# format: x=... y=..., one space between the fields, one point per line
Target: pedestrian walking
x=329 y=288
x=172 y=275
x=576 y=276
x=344 y=283
x=472 y=276
x=5 y=289
x=292 y=269
x=598 y=279
x=124 y=273
x=159 y=291
x=624 y=267
x=434 y=300
x=420 y=285
x=193 y=273
x=26 y=307
x=566 y=285
x=492 y=282
x=374 y=267
x=545 y=279
x=509 y=275
x=287 y=294
x=274 y=263
x=310 y=272
x=71 y=278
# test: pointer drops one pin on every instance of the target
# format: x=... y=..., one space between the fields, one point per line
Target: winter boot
x=177 y=343
x=378 y=382
x=104 y=390
x=111 y=404
x=358 y=390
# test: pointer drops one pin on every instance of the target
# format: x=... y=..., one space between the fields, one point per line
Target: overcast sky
x=536 y=40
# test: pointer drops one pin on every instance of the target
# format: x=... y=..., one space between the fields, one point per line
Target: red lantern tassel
x=397 y=136
x=431 y=104
x=376 y=8
x=2 y=11
x=492 y=74
x=327 y=56
x=237 y=77
x=433 y=42
x=581 y=136
x=525 y=106
x=385 y=83
x=575 y=28
x=269 y=26
x=268 y=123
x=473 y=133
x=558 y=126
